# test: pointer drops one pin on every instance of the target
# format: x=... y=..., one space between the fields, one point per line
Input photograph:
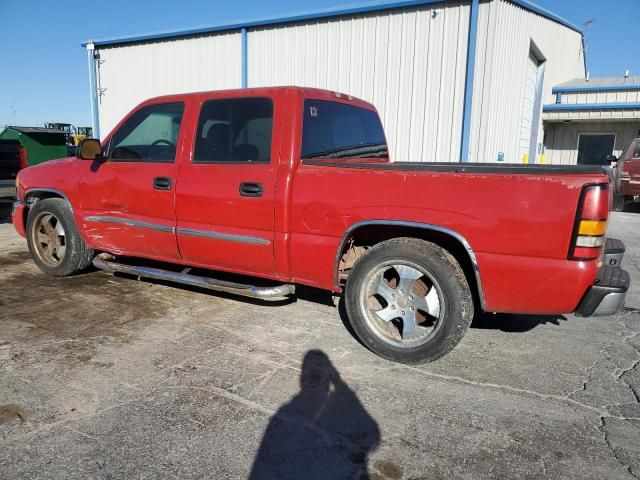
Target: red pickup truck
x=286 y=186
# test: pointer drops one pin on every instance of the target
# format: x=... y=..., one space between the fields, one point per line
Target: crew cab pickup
x=286 y=186
x=13 y=158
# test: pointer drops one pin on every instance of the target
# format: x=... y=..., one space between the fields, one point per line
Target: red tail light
x=24 y=158
x=591 y=223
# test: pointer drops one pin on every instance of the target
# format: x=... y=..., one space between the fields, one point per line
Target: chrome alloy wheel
x=402 y=303
x=49 y=239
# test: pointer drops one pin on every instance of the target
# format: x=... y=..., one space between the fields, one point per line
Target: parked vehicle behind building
x=13 y=158
x=290 y=186
x=627 y=175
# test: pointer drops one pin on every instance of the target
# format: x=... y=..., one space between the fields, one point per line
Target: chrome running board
x=278 y=292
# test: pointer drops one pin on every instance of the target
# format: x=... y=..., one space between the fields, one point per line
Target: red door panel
x=225 y=193
x=123 y=213
x=219 y=227
x=129 y=199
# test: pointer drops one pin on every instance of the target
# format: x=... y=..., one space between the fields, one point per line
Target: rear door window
x=338 y=130
x=234 y=130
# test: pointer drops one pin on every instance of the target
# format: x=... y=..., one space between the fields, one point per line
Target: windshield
x=338 y=130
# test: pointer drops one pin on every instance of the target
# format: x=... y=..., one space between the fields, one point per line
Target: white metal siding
x=409 y=63
x=632 y=96
x=562 y=138
x=592 y=115
x=130 y=74
x=505 y=33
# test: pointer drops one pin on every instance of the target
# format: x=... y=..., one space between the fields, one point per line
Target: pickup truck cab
x=285 y=186
x=627 y=175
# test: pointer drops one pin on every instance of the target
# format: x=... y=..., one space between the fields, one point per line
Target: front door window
x=150 y=135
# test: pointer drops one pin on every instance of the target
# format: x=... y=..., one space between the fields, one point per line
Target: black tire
x=445 y=272
x=77 y=256
x=618 y=203
x=5 y=211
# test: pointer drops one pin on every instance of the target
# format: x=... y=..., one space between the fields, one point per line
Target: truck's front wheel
x=408 y=300
x=53 y=239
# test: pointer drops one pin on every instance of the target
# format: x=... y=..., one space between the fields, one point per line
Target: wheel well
x=32 y=197
x=362 y=238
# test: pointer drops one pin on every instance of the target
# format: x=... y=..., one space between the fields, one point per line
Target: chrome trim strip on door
x=130 y=223
x=224 y=236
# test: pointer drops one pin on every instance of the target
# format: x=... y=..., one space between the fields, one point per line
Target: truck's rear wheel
x=408 y=300
x=53 y=239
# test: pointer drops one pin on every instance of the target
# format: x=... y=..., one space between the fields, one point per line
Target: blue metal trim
x=532 y=7
x=468 y=83
x=93 y=89
x=244 y=60
x=558 y=97
x=598 y=88
x=564 y=107
x=371 y=6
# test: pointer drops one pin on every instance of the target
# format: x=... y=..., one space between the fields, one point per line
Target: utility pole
x=587 y=26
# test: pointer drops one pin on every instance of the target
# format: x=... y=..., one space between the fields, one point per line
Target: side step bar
x=275 y=293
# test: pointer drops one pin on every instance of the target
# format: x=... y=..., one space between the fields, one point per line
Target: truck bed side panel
x=519 y=225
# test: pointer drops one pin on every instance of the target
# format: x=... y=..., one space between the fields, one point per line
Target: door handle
x=249 y=189
x=162 y=183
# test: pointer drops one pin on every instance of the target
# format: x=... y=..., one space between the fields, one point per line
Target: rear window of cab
x=338 y=130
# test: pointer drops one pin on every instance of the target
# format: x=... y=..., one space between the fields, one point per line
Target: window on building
x=593 y=148
x=234 y=130
x=150 y=135
x=338 y=130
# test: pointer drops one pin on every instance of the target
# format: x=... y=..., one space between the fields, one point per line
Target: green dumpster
x=41 y=144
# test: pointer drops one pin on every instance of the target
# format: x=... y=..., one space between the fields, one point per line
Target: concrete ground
x=107 y=377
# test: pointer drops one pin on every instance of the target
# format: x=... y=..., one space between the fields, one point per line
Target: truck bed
x=466 y=168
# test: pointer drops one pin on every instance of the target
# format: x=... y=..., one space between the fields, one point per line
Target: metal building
x=592 y=118
x=453 y=80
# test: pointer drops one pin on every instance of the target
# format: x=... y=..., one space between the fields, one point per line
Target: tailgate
x=9 y=159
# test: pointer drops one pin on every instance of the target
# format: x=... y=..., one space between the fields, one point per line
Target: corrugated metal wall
x=594 y=114
x=562 y=138
x=133 y=73
x=620 y=96
x=410 y=64
x=505 y=32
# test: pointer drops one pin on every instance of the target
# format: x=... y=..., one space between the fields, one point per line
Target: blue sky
x=43 y=68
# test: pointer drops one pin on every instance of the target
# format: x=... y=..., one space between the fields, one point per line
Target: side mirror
x=612 y=158
x=90 y=149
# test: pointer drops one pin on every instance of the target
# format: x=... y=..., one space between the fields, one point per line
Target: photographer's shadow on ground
x=323 y=432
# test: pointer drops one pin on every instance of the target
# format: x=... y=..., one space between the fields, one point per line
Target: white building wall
x=614 y=96
x=562 y=138
x=409 y=63
x=130 y=74
x=505 y=33
x=592 y=115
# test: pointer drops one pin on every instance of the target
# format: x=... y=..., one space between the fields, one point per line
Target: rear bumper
x=607 y=295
